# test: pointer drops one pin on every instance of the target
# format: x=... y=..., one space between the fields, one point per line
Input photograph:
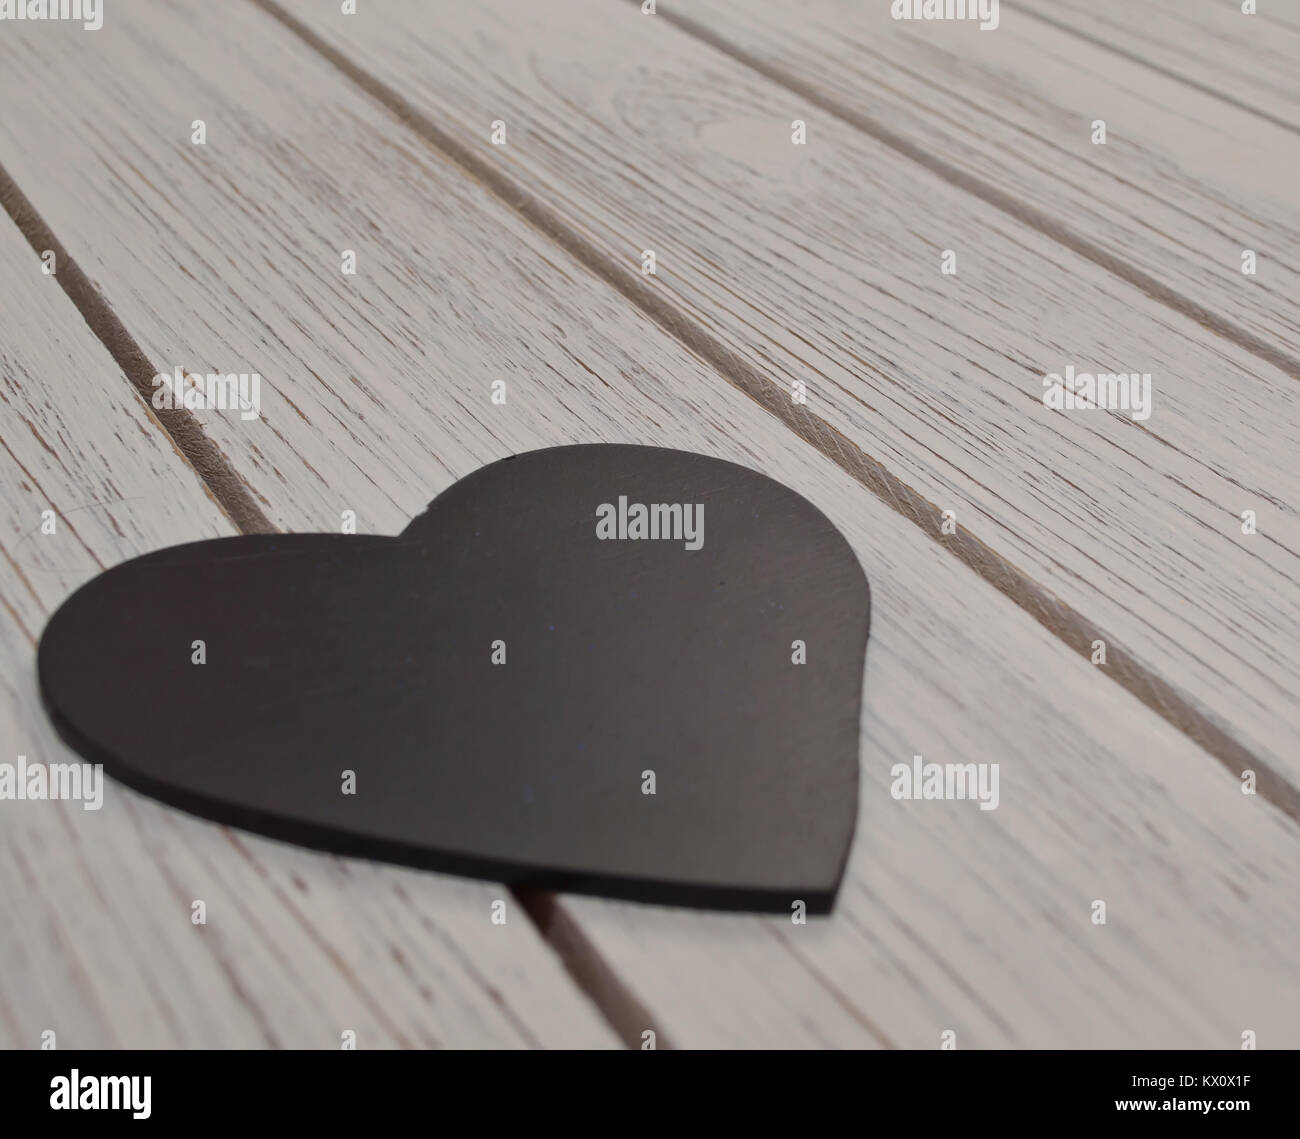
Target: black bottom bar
x=367 y=1088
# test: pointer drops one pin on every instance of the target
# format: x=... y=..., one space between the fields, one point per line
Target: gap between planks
x=622 y=1011
x=229 y=491
x=1058 y=618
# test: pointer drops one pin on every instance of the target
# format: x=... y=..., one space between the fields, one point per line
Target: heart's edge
x=332 y=840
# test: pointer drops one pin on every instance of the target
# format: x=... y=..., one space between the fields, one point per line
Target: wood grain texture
x=378 y=396
x=1209 y=44
x=1184 y=184
x=822 y=264
x=96 y=942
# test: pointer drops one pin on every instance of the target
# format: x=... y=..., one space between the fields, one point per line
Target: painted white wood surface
x=1252 y=59
x=822 y=263
x=1184 y=184
x=379 y=396
x=96 y=941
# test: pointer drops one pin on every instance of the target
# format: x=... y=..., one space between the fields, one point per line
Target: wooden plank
x=378 y=396
x=1209 y=44
x=97 y=944
x=1185 y=183
x=823 y=263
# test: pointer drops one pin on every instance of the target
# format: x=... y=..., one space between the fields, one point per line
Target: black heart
x=327 y=653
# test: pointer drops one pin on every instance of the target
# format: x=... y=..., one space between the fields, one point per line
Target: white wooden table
x=820 y=263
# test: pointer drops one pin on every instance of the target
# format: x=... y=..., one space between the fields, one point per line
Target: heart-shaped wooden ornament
x=613 y=669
